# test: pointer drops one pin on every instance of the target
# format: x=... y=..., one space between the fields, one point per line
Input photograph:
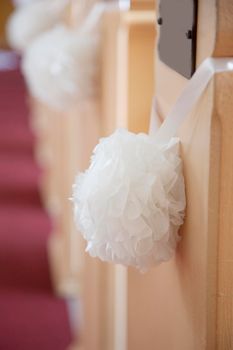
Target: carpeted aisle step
x=23 y=248
x=19 y=179
x=32 y=317
x=32 y=322
x=16 y=139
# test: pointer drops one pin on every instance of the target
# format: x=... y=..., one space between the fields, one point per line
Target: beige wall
x=5 y=9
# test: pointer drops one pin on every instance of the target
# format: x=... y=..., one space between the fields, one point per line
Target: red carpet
x=31 y=316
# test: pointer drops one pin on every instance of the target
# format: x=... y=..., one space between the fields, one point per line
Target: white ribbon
x=189 y=96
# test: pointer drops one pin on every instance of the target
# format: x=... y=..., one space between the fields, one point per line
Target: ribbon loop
x=190 y=95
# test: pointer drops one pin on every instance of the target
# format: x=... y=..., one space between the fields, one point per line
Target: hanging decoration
x=62 y=66
x=30 y=19
x=130 y=203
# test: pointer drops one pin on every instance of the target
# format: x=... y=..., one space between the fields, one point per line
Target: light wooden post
x=128 y=87
x=187 y=302
x=57 y=151
x=64 y=144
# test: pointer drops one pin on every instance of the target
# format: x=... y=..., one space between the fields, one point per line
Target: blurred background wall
x=6 y=8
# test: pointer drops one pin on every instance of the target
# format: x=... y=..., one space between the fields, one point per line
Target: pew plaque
x=177 y=41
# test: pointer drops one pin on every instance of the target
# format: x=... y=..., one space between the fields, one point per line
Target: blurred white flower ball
x=28 y=21
x=23 y=2
x=62 y=66
x=130 y=203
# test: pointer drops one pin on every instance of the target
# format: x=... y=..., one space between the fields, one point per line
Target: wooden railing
x=187 y=302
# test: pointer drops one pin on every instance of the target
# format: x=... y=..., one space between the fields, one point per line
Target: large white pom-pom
x=62 y=66
x=29 y=21
x=130 y=203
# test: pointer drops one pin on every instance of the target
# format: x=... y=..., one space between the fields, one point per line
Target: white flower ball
x=62 y=66
x=130 y=203
x=23 y=2
x=30 y=20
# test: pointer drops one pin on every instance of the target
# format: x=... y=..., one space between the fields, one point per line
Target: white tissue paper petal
x=62 y=66
x=30 y=20
x=130 y=203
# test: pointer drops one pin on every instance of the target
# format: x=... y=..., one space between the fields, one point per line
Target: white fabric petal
x=130 y=203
